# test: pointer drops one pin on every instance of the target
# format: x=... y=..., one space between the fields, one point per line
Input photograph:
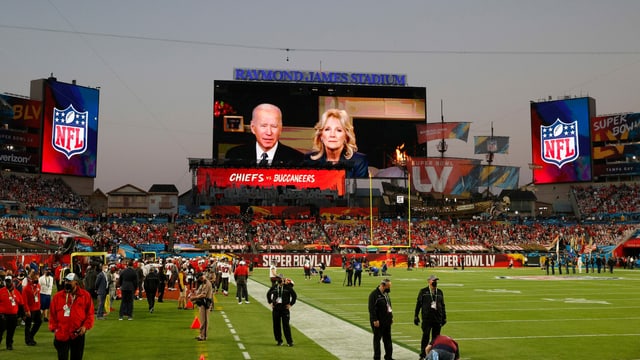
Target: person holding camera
x=203 y=298
x=434 y=315
x=71 y=316
x=282 y=297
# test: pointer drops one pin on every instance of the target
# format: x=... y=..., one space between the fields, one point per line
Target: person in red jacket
x=442 y=347
x=33 y=316
x=10 y=300
x=71 y=316
x=241 y=274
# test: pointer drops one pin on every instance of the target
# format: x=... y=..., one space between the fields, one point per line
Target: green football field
x=493 y=313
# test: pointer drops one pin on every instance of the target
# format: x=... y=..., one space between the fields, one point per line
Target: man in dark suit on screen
x=266 y=125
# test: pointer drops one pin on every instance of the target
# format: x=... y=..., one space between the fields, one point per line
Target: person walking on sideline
x=71 y=316
x=128 y=283
x=381 y=318
x=10 y=301
x=33 y=315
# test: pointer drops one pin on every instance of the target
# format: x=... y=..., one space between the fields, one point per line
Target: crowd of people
x=250 y=234
x=612 y=199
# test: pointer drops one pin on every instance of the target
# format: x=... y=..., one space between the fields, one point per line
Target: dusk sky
x=155 y=63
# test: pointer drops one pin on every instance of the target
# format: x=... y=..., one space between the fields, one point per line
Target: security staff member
x=381 y=318
x=10 y=300
x=434 y=315
x=282 y=297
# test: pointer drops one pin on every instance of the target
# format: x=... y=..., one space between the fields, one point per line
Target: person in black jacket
x=434 y=315
x=282 y=297
x=381 y=318
x=128 y=281
x=151 y=283
x=162 y=278
x=267 y=150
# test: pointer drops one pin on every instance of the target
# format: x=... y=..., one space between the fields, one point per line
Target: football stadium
x=544 y=270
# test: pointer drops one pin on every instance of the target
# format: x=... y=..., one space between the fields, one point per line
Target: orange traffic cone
x=202 y=357
x=195 y=324
x=189 y=305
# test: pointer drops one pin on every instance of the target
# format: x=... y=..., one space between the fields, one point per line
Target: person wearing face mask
x=33 y=315
x=381 y=318
x=128 y=283
x=334 y=142
x=71 y=316
x=282 y=297
x=203 y=297
x=10 y=301
x=102 y=290
x=430 y=304
x=46 y=288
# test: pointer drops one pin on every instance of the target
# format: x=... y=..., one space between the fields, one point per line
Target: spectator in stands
x=334 y=142
x=266 y=125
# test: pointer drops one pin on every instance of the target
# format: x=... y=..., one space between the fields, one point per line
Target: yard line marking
x=236 y=338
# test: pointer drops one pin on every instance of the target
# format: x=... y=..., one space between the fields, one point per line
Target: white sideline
x=340 y=338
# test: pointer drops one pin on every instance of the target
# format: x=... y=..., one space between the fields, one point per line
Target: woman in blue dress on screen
x=334 y=142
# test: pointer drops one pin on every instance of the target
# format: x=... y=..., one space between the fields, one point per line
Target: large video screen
x=384 y=117
x=561 y=140
x=616 y=145
x=20 y=134
x=70 y=129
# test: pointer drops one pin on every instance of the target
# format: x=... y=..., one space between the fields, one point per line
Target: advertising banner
x=333 y=180
x=491 y=144
x=287 y=260
x=439 y=131
x=20 y=133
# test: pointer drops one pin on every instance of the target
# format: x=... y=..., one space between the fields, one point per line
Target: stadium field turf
x=494 y=313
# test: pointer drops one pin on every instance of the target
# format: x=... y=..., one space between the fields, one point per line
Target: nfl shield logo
x=69 y=135
x=559 y=143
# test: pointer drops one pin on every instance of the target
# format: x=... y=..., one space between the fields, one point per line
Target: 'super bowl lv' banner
x=392 y=260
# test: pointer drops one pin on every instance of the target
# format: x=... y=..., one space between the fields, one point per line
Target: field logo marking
x=500 y=291
x=578 y=301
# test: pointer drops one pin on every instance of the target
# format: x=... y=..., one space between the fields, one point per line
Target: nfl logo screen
x=69 y=131
x=559 y=143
